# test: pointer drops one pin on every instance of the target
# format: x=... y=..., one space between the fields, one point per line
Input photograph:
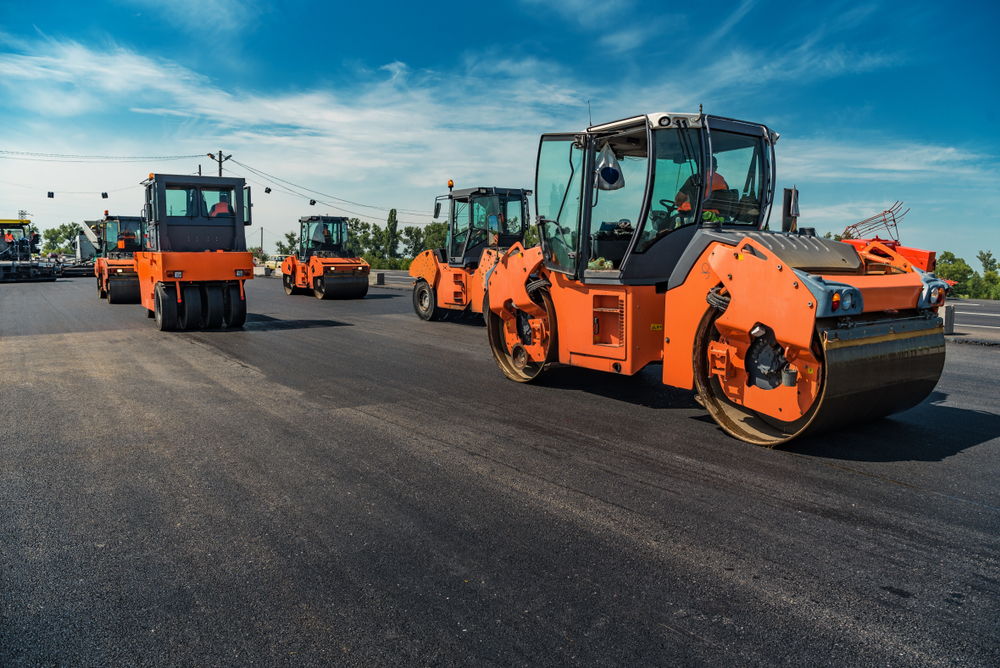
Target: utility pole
x=262 y=240
x=220 y=159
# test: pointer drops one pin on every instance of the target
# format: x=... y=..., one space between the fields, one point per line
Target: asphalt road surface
x=977 y=317
x=342 y=483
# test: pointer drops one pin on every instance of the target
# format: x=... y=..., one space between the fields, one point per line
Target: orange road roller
x=482 y=223
x=324 y=264
x=118 y=239
x=655 y=248
x=194 y=264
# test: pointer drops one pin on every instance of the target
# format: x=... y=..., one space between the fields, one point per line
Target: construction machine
x=655 y=249
x=116 y=239
x=482 y=223
x=194 y=262
x=324 y=264
x=866 y=231
x=18 y=251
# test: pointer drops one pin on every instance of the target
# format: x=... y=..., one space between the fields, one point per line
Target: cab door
x=558 y=200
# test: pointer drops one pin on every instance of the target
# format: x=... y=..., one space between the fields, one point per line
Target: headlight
x=936 y=294
x=847 y=302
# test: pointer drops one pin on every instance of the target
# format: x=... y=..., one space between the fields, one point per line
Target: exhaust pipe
x=790 y=211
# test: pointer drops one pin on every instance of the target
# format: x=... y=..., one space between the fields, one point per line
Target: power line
x=69 y=157
x=310 y=198
x=264 y=174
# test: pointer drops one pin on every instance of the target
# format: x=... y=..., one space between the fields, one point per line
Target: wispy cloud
x=582 y=12
x=206 y=18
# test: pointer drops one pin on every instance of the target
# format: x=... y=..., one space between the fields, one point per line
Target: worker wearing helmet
x=688 y=190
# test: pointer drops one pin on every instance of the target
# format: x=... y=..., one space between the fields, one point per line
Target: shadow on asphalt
x=381 y=295
x=936 y=433
x=257 y=322
x=645 y=388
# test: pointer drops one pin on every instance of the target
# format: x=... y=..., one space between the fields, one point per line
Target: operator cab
x=122 y=235
x=196 y=213
x=323 y=236
x=16 y=243
x=480 y=218
x=620 y=202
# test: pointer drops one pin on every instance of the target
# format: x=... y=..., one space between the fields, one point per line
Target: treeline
x=383 y=247
x=969 y=282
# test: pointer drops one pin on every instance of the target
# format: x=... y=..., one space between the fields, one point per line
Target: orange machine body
x=482 y=223
x=455 y=288
x=194 y=262
x=186 y=269
x=778 y=333
x=324 y=263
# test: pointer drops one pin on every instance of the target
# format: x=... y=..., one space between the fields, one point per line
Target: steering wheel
x=668 y=204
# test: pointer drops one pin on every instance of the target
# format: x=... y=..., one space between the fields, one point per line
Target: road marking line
x=979 y=326
x=980 y=315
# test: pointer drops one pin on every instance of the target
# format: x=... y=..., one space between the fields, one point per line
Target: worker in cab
x=8 y=237
x=222 y=207
x=689 y=189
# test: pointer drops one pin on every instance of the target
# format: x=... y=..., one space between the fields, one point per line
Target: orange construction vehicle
x=195 y=261
x=117 y=240
x=866 y=231
x=655 y=249
x=325 y=265
x=482 y=223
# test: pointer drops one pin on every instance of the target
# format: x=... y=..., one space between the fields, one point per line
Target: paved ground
x=342 y=483
x=977 y=319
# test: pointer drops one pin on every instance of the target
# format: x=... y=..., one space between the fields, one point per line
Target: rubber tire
x=190 y=315
x=423 y=293
x=165 y=308
x=235 y=308
x=215 y=306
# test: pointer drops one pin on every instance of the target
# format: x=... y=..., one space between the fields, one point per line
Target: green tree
x=290 y=245
x=435 y=235
x=60 y=239
x=259 y=256
x=986 y=259
x=390 y=236
x=531 y=236
x=413 y=240
x=955 y=269
x=359 y=236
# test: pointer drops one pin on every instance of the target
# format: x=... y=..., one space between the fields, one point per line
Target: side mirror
x=247 y=205
x=437 y=209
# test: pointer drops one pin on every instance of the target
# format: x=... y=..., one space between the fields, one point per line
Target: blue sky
x=380 y=103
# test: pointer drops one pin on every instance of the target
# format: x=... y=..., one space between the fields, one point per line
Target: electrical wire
x=335 y=207
x=68 y=157
x=264 y=174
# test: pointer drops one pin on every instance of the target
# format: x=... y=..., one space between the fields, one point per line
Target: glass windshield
x=13 y=233
x=733 y=196
x=205 y=202
x=557 y=199
x=324 y=235
x=616 y=202
x=124 y=235
x=500 y=215
x=182 y=201
x=219 y=202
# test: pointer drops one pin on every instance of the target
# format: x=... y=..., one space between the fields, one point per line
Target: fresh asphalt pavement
x=342 y=483
x=977 y=318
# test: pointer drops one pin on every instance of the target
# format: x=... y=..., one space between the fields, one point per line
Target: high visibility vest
x=718 y=183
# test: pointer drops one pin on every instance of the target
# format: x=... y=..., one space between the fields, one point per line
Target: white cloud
x=205 y=18
x=585 y=13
